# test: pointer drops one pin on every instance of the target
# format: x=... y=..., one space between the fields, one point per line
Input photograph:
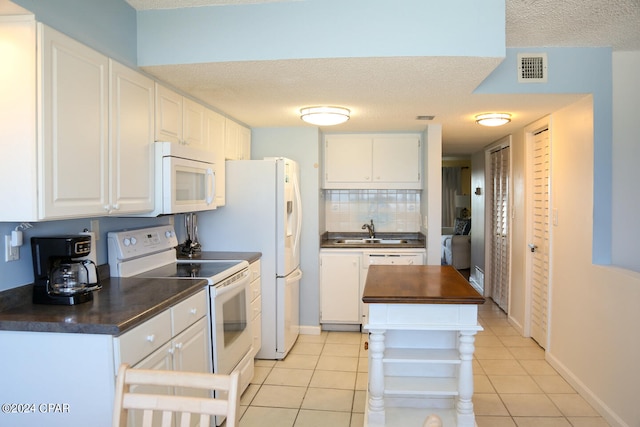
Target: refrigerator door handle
x=294 y=277
x=296 y=191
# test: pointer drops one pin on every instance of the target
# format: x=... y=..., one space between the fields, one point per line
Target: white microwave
x=185 y=179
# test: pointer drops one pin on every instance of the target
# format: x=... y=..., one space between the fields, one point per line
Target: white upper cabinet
x=237 y=141
x=179 y=119
x=58 y=152
x=215 y=134
x=131 y=140
x=372 y=161
x=74 y=140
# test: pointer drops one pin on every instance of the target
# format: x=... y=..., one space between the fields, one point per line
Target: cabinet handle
x=193 y=311
x=178 y=345
x=151 y=338
x=106 y=207
x=116 y=207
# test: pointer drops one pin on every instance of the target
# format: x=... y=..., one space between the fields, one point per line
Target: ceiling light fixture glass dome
x=324 y=116
x=493 y=119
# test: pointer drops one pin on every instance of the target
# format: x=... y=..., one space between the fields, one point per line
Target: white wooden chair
x=127 y=400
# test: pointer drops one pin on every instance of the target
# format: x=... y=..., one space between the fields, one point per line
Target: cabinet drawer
x=256 y=307
x=256 y=330
x=254 y=269
x=254 y=288
x=138 y=343
x=188 y=311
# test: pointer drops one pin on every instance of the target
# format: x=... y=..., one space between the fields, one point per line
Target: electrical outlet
x=95 y=227
x=11 y=253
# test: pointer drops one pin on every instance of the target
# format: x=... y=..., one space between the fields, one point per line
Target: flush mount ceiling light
x=324 y=116
x=493 y=119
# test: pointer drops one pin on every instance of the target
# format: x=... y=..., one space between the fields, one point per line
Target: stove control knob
x=134 y=241
x=126 y=241
x=168 y=234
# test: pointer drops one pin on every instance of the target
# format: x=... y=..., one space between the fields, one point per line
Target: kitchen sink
x=369 y=241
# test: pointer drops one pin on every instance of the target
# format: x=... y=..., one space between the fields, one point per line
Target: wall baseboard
x=310 y=330
x=605 y=411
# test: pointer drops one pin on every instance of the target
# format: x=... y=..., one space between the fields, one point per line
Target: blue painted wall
x=107 y=26
x=575 y=70
x=321 y=29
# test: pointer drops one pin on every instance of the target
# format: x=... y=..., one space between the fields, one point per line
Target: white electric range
x=151 y=253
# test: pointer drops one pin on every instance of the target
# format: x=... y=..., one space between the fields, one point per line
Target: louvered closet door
x=540 y=238
x=500 y=227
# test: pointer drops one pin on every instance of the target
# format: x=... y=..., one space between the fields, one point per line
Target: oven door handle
x=221 y=290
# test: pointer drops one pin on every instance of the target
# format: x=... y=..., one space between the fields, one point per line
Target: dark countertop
x=414 y=240
x=121 y=304
x=418 y=284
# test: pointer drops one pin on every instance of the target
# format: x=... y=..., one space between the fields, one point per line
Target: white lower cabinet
x=256 y=306
x=188 y=351
x=343 y=274
x=179 y=338
x=339 y=287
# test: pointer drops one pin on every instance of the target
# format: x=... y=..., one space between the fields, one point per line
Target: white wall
x=477 y=213
x=594 y=313
x=431 y=200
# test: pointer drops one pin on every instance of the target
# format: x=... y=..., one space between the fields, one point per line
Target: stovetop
x=212 y=270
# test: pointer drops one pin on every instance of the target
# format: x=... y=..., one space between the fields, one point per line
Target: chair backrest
x=147 y=401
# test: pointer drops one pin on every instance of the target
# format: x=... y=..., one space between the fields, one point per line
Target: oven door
x=187 y=185
x=231 y=330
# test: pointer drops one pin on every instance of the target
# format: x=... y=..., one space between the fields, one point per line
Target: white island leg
x=375 y=409
x=464 y=406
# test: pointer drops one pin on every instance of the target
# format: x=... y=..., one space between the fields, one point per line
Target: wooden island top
x=418 y=284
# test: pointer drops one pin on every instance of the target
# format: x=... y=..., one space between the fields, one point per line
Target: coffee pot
x=69 y=277
x=62 y=274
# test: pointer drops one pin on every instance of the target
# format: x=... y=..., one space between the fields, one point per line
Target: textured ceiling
x=269 y=93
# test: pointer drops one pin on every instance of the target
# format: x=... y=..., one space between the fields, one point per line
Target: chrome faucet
x=371 y=228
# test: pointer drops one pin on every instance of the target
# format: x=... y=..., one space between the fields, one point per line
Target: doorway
x=498 y=207
x=539 y=154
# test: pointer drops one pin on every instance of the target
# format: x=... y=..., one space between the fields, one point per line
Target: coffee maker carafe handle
x=93 y=280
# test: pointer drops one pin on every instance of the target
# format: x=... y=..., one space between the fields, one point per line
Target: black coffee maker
x=60 y=275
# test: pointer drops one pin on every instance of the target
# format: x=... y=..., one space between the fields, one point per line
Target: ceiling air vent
x=532 y=68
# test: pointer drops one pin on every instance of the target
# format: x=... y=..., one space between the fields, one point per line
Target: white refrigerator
x=262 y=213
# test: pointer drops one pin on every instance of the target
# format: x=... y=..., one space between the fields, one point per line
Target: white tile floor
x=323 y=381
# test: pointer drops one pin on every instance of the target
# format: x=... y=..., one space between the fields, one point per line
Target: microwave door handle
x=211 y=182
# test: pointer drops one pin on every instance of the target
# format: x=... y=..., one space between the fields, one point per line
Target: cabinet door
x=160 y=359
x=237 y=141
x=215 y=134
x=168 y=115
x=73 y=143
x=396 y=159
x=191 y=349
x=244 y=143
x=193 y=122
x=340 y=288
x=347 y=160
x=131 y=141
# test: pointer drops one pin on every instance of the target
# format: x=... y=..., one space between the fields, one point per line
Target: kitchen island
x=422 y=325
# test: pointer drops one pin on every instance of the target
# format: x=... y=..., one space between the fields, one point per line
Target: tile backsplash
x=391 y=210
